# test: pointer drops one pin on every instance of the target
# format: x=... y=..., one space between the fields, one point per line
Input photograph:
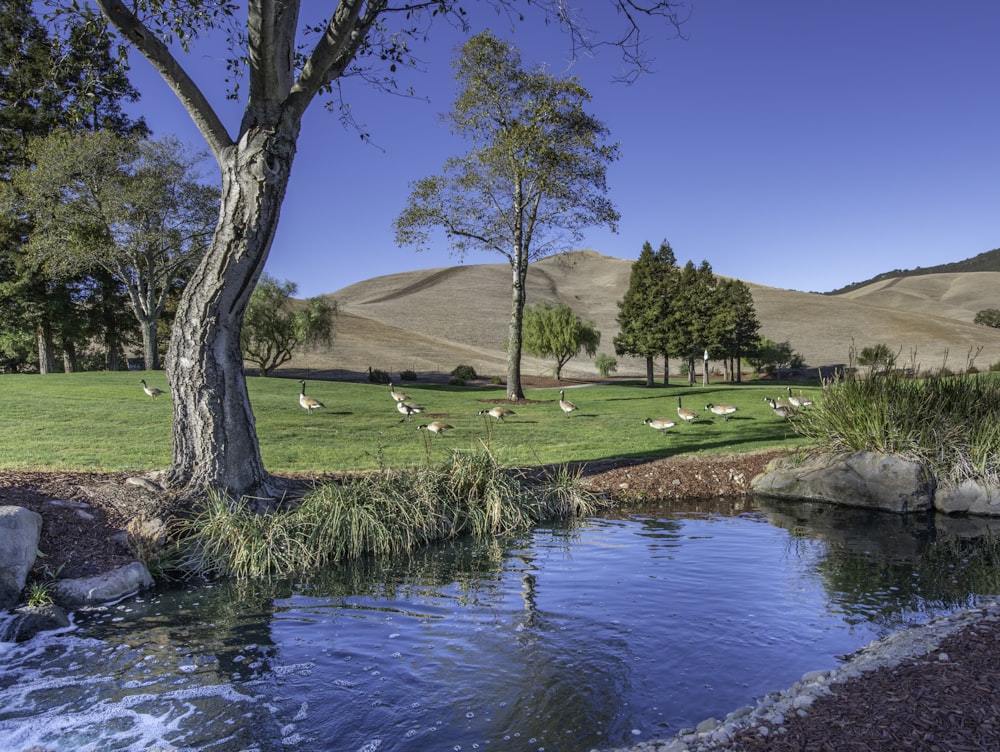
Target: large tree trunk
x=215 y=437
x=650 y=375
x=519 y=269
x=46 y=348
x=150 y=351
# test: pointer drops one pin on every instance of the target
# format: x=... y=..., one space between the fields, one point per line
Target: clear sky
x=793 y=143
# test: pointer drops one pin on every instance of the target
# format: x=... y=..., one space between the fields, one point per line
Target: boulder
x=860 y=479
x=20 y=531
x=968 y=497
x=104 y=588
x=31 y=620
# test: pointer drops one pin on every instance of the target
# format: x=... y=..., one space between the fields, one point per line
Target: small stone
x=709 y=724
x=943 y=657
x=803 y=701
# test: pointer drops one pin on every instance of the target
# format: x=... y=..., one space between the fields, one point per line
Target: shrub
x=407 y=375
x=606 y=364
x=464 y=373
x=378 y=376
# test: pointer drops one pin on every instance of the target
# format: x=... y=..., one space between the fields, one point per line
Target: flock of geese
x=408 y=409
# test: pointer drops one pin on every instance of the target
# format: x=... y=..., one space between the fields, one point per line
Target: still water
x=592 y=634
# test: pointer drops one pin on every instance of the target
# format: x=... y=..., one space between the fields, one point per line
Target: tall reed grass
x=950 y=423
x=384 y=513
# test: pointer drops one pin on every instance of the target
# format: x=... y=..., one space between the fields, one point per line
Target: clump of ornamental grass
x=385 y=513
x=949 y=423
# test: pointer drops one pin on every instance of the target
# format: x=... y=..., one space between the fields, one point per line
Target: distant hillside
x=431 y=321
x=984 y=262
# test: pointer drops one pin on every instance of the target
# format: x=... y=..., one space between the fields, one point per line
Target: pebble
x=768 y=715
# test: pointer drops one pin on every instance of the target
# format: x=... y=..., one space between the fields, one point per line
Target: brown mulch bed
x=945 y=701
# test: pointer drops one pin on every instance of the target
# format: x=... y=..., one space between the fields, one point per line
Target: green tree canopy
x=692 y=320
x=51 y=82
x=988 y=317
x=134 y=208
x=556 y=331
x=736 y=326
x=275 y=326
x=534 y=177
x=646 y=310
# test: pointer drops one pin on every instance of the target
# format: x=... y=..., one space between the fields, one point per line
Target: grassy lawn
x=105 y=422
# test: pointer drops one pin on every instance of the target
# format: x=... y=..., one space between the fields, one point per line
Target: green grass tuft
x=384 y=513
x=950 y=423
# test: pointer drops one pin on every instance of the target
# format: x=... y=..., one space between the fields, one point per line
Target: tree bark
x=650 y=376
x=215 y=438
x=150 y=351
x=46 y=348
x=519 y=270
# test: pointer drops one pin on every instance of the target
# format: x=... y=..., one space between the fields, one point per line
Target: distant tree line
x=100 y=226
x=685 y=312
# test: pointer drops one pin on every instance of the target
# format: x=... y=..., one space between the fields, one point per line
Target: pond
x=593 y=634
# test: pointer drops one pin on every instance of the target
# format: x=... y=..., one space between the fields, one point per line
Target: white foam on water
x=51 y=697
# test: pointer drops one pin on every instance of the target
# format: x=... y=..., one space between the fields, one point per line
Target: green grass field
x=105 y=422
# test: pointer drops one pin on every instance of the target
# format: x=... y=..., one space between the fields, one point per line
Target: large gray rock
x=969 y=497
x=30 y=620
x=20 y=530
x=860 y=479
x=103 y=588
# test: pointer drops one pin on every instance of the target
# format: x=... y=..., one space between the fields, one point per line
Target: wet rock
x=20 y=530
x=31 y=620
x=104 y=588
x=861 y=479
x=968 y=497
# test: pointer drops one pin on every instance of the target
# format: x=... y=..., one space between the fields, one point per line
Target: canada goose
x=152 y=391
x=660 y=424
x=396 y=394
x=499 y=412
x=309 y=403
x=781 y=409
x=799 y=401
x=778 y=403
x=436 y=427
x=408 y=409
x=721 y=409
x=564 y=404
x=686 y=413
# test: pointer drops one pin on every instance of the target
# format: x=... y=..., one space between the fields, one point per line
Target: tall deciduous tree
x=645 y=313
x=214 y=436
x=48 y=83
x=274 y=327
x=556 y=331
x=535 y=174
x=134 y=208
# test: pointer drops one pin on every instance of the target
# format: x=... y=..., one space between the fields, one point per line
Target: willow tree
x=534 y=176
x=286 y=64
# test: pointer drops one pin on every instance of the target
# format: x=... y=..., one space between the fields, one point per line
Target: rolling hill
x=432 y=320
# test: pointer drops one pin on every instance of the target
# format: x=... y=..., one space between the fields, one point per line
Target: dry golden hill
x=432 y=320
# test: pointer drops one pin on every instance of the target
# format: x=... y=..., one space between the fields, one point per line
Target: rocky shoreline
x=756 y=727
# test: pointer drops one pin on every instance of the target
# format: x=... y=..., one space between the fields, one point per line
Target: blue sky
x=792 y=143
